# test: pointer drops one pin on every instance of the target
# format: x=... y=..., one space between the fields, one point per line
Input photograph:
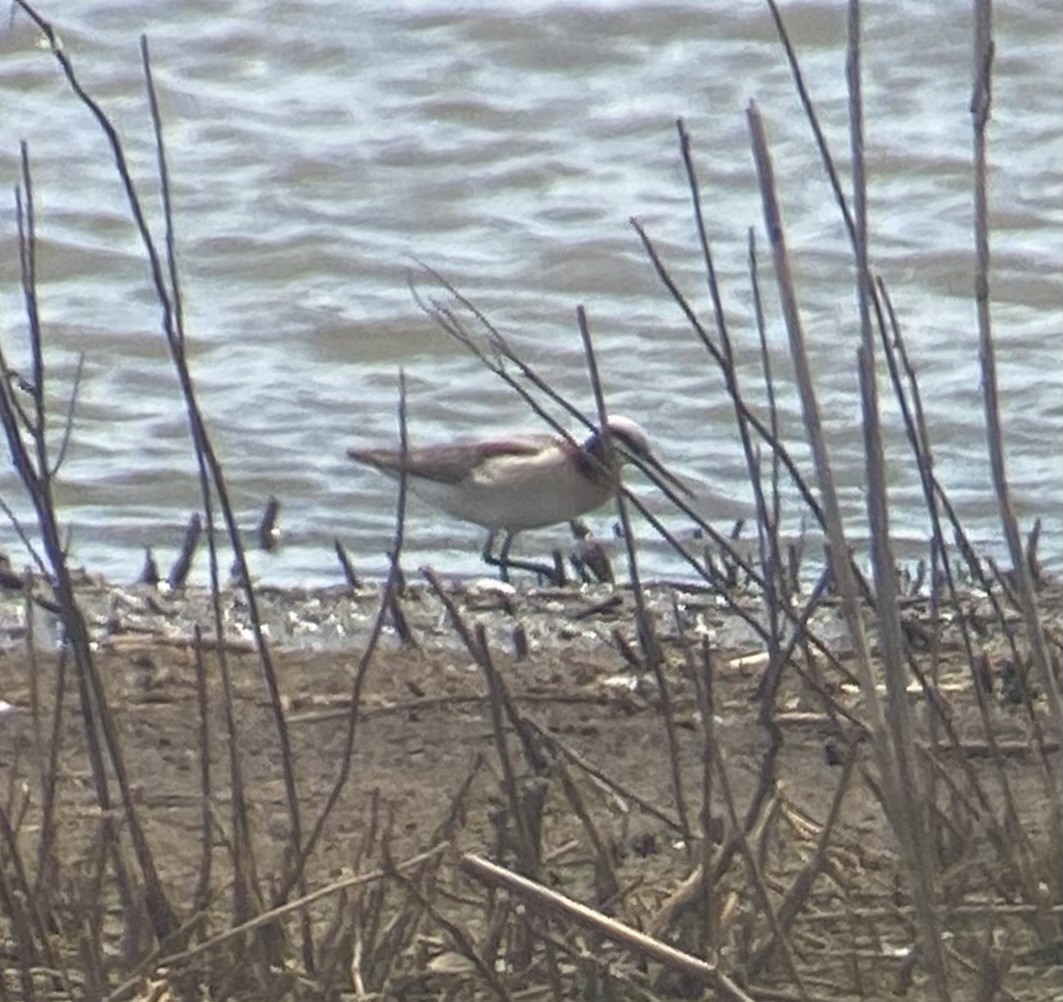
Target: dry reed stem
x=246 y=893
x=33 y=945
x=704 y=687
x=936 y=499
x=651 y=649
x=775 y=567
x=907 y=812
x=28 y=445
x=607 y=884
x=296 y=904
x=838 y=549
x=562 y=907
x=610 y=783
x=692 y=891
x=202 y=892
x=47 y=858
x=388 y=602
x=754 y=867
x=667 y=714
x=981 y=101
x=502 y=353
x=796 y=897
x=766 y=526
x=774 y=443
x=107 y=854
x=209 y=468
x=499 y=705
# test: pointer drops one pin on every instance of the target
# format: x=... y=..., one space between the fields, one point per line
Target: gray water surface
x=318 y=151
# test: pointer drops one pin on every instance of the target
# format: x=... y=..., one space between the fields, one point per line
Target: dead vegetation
x=824 y=821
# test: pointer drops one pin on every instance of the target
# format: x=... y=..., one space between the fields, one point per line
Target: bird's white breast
x=516 y=492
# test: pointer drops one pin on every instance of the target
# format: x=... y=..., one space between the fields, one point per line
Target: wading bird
x=521 y=482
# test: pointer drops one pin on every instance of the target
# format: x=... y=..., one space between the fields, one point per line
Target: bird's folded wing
x=448 y=464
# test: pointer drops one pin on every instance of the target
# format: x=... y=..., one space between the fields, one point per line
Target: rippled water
x=319 y=150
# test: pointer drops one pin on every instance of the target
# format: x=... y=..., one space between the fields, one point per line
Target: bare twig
x=28 y=445
x=647 y=636
x=361 y=674
x=550 y=901
x=908 y=810
x=353 y=581
x=295 y=905
x=981 y=102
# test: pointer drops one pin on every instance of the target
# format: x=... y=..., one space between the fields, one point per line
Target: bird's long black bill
x=673 y=480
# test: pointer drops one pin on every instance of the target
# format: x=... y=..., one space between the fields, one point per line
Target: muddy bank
x=609 y=759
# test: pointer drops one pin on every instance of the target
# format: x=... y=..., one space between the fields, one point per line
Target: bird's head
x=631 y=444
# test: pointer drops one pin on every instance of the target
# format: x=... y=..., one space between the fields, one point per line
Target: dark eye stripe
x=625 y=441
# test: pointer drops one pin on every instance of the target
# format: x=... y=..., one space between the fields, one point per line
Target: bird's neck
x=592 y=458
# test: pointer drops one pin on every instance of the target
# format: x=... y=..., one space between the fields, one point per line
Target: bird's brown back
x=446 y=463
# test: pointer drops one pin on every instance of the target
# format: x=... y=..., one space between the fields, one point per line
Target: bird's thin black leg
x=503 y=561
x=500 y=561
x=503 y=554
